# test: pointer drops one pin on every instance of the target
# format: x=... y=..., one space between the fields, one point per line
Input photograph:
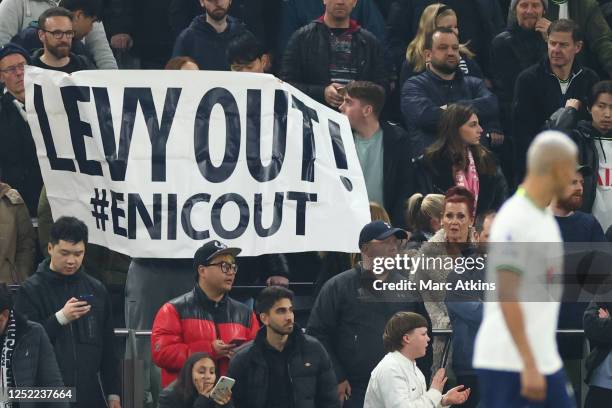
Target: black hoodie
x=205 y=45
x=84 y=347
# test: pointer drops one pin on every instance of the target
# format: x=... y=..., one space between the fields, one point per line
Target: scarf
x=6 y=360
x=469 y=179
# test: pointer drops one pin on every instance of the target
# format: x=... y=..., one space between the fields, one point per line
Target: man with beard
x=325 y=55
x=426 y=95
x=581 y=228
x=205 y=318
x=208 y=36
x=283 y=367
x=576 y=226
x=55 y=32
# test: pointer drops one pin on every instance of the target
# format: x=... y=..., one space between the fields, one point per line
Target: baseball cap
x=211 y=249
x=585 y=170
x=379 y=230
x=12 y=48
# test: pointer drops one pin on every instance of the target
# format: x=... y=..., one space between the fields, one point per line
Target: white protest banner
x=158 y=162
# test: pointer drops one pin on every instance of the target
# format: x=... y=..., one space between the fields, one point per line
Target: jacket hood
x=199 y=24
x=588 y=131
x=353 y=25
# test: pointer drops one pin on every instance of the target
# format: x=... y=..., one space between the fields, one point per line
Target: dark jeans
x=598 y=397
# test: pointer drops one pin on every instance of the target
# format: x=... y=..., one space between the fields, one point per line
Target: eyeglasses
x=57 y=34
x=14 y=68
x=226 y=267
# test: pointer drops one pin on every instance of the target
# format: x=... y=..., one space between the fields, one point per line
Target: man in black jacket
x=426 y=95
x=383 y=148
x=282 y=367
x=18 y=161
x=324 y=56
x=557 y=81
x=350 y=314
x=28 y=357
x=207 y=37
x=517 y=48
x=75 y=311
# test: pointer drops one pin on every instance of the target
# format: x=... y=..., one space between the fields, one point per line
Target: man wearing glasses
x=18 y=162
x=205 y=318
x=56 y=33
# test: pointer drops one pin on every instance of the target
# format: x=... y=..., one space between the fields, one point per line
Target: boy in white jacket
x=397 y=382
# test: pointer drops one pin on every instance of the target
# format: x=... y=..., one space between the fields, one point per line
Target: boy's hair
x=269 y=296
x=91 y=8
x=399 y=325
x=68 y=229
x=244 y=49
x=367 y=92
x=602 y=87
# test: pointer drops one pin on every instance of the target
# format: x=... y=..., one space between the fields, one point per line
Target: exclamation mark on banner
x=339 y=155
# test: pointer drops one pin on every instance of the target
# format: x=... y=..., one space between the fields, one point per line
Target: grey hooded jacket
x=16 y=15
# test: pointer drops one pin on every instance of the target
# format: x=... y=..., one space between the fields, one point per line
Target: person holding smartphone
x=194 y=386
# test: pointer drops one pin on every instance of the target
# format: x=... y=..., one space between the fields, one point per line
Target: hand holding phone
x=238 y=341
x=222 y=389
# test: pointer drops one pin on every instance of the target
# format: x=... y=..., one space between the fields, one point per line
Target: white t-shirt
x=525 y=239
x=602 y=206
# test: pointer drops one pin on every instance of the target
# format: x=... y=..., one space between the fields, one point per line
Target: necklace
x=563 y=81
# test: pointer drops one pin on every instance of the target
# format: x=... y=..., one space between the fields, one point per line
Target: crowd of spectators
x=444 y=99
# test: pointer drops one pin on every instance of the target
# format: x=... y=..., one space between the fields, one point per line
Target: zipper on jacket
x=291 y=384
x=74 y=353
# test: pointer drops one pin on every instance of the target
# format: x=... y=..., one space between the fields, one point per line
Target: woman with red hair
x=439 y=255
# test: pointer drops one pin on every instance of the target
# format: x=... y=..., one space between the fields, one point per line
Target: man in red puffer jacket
x=205 y=318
